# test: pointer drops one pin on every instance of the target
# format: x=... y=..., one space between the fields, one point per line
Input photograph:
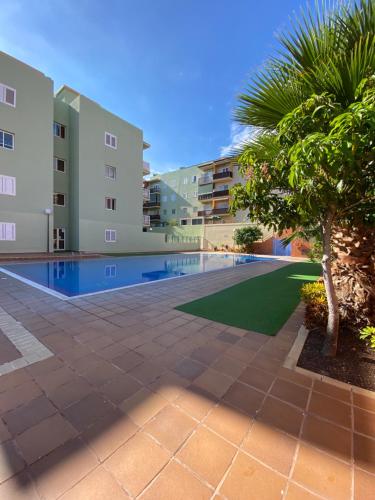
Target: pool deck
x=138 y=400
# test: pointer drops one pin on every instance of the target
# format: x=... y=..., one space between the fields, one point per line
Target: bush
x=316 y=312
x=246 y=236
x=368 y=334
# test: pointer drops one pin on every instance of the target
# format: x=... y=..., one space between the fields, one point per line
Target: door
x=59 y=238
x=280 y=249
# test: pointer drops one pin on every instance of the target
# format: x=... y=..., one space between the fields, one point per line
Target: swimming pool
x=72 y=278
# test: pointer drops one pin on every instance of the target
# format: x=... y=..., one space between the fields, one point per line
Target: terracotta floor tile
x=128 y=361
x=363 y=401
x=272 y=447
x=296 y=492
x=245 y=398
x=229 y=366
x=120 y=388
x=109 y=433
x=169 y=385
x=327 y=436
x=14 y=379
x=176 y=482
x=29 y=415
x=4 y=432
x=150 y=349
x=195 y=401
x=205 y=354
x=266 y=363
x=147 y=372
x=101 y=373
x=230 y=423
x=189 y=369
x=57 y=472
x=257 y=378
x=281 y=415
x=68 y=394
x=97 y=485
x=171 y=427
x=290 y=393
x=20 y=395
x=249 y=479
x=19 y=487
x=332 y=390
x=364 y=422
x=322 y=473
x=364 y=453
x=214 y=382
x=11 y=461
x=51 y=380
x=44 y=437
x=227 y=337
x=143 y=405
x=331 y=409
x=292 y=376
x=207 y=454
x=137 y=462
x=87 y=411
x=364 y=485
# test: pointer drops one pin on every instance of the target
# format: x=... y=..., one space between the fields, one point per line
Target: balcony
x=227 y=174
x=154 y=189
x=154 y=218
x=205 y=197
x=205 y=179
x=152 y=203
x=214 y=211
x=146 y=168
x=146 y=220
x=221 y=193
x=146 y=194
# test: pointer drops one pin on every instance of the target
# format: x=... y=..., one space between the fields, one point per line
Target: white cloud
x=239 y=136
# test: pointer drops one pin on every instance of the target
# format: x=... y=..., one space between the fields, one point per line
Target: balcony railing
x=205 y=179
x=222 y=175
x=214 y=211
x=146 y=194
x=220 y=193
x=146 y=168
x=205 y=196
x=155 y=217
x=152 y=203
x=146 y=220
x=154 y=189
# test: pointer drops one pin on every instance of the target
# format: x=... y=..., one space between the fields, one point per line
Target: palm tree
x=326 y=53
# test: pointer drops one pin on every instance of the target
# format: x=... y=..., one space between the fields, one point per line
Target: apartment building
x=70 y=171
x=193 y=195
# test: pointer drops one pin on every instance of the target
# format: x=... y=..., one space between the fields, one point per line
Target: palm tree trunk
x=330 y=344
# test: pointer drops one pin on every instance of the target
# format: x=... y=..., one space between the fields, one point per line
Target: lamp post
x=48 y=212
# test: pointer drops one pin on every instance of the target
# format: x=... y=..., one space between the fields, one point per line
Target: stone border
x=31 y=349
x=292 y=359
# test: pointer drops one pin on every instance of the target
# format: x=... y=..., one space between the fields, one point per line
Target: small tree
x=245 y=237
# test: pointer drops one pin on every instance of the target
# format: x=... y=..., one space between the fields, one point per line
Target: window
x=110 y=235
x=173 y=197
x=7 y=231
x=164 y=198
x=196 y=222
x=194 y=179
x=110 y=172
x=110 y=140
x=59 y=130
x=59 y=238
x=183 y=222
x=7 y=185
x=110 y=271
x=59 y=164
x=164 y=212
x=110 y=203
x=173 y=211
x=7 y=95
x=185 y=181
x=195 y=209
x=184 y=210
x=59 y=199
x=195 y=194
x=185 y=195
x=6 y=140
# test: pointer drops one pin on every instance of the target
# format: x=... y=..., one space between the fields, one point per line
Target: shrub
x=245 y=237
x=316 y=311
x=368 y=334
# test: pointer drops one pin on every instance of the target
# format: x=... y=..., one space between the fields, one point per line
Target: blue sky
x=170 y=67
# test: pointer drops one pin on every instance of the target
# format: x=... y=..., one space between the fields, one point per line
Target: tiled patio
x=142 y=401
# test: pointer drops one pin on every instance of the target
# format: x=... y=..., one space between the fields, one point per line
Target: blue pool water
x=77 y=277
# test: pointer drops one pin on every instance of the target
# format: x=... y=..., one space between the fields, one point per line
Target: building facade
x=193 y=195
x=70 y=171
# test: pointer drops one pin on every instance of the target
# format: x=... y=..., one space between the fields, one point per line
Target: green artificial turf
x=262 y=304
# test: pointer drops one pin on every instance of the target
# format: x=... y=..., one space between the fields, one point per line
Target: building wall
x=31 y=160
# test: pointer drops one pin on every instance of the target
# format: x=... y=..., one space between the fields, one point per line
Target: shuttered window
x=7 y=95
x=7 y=185
x=7 y=231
